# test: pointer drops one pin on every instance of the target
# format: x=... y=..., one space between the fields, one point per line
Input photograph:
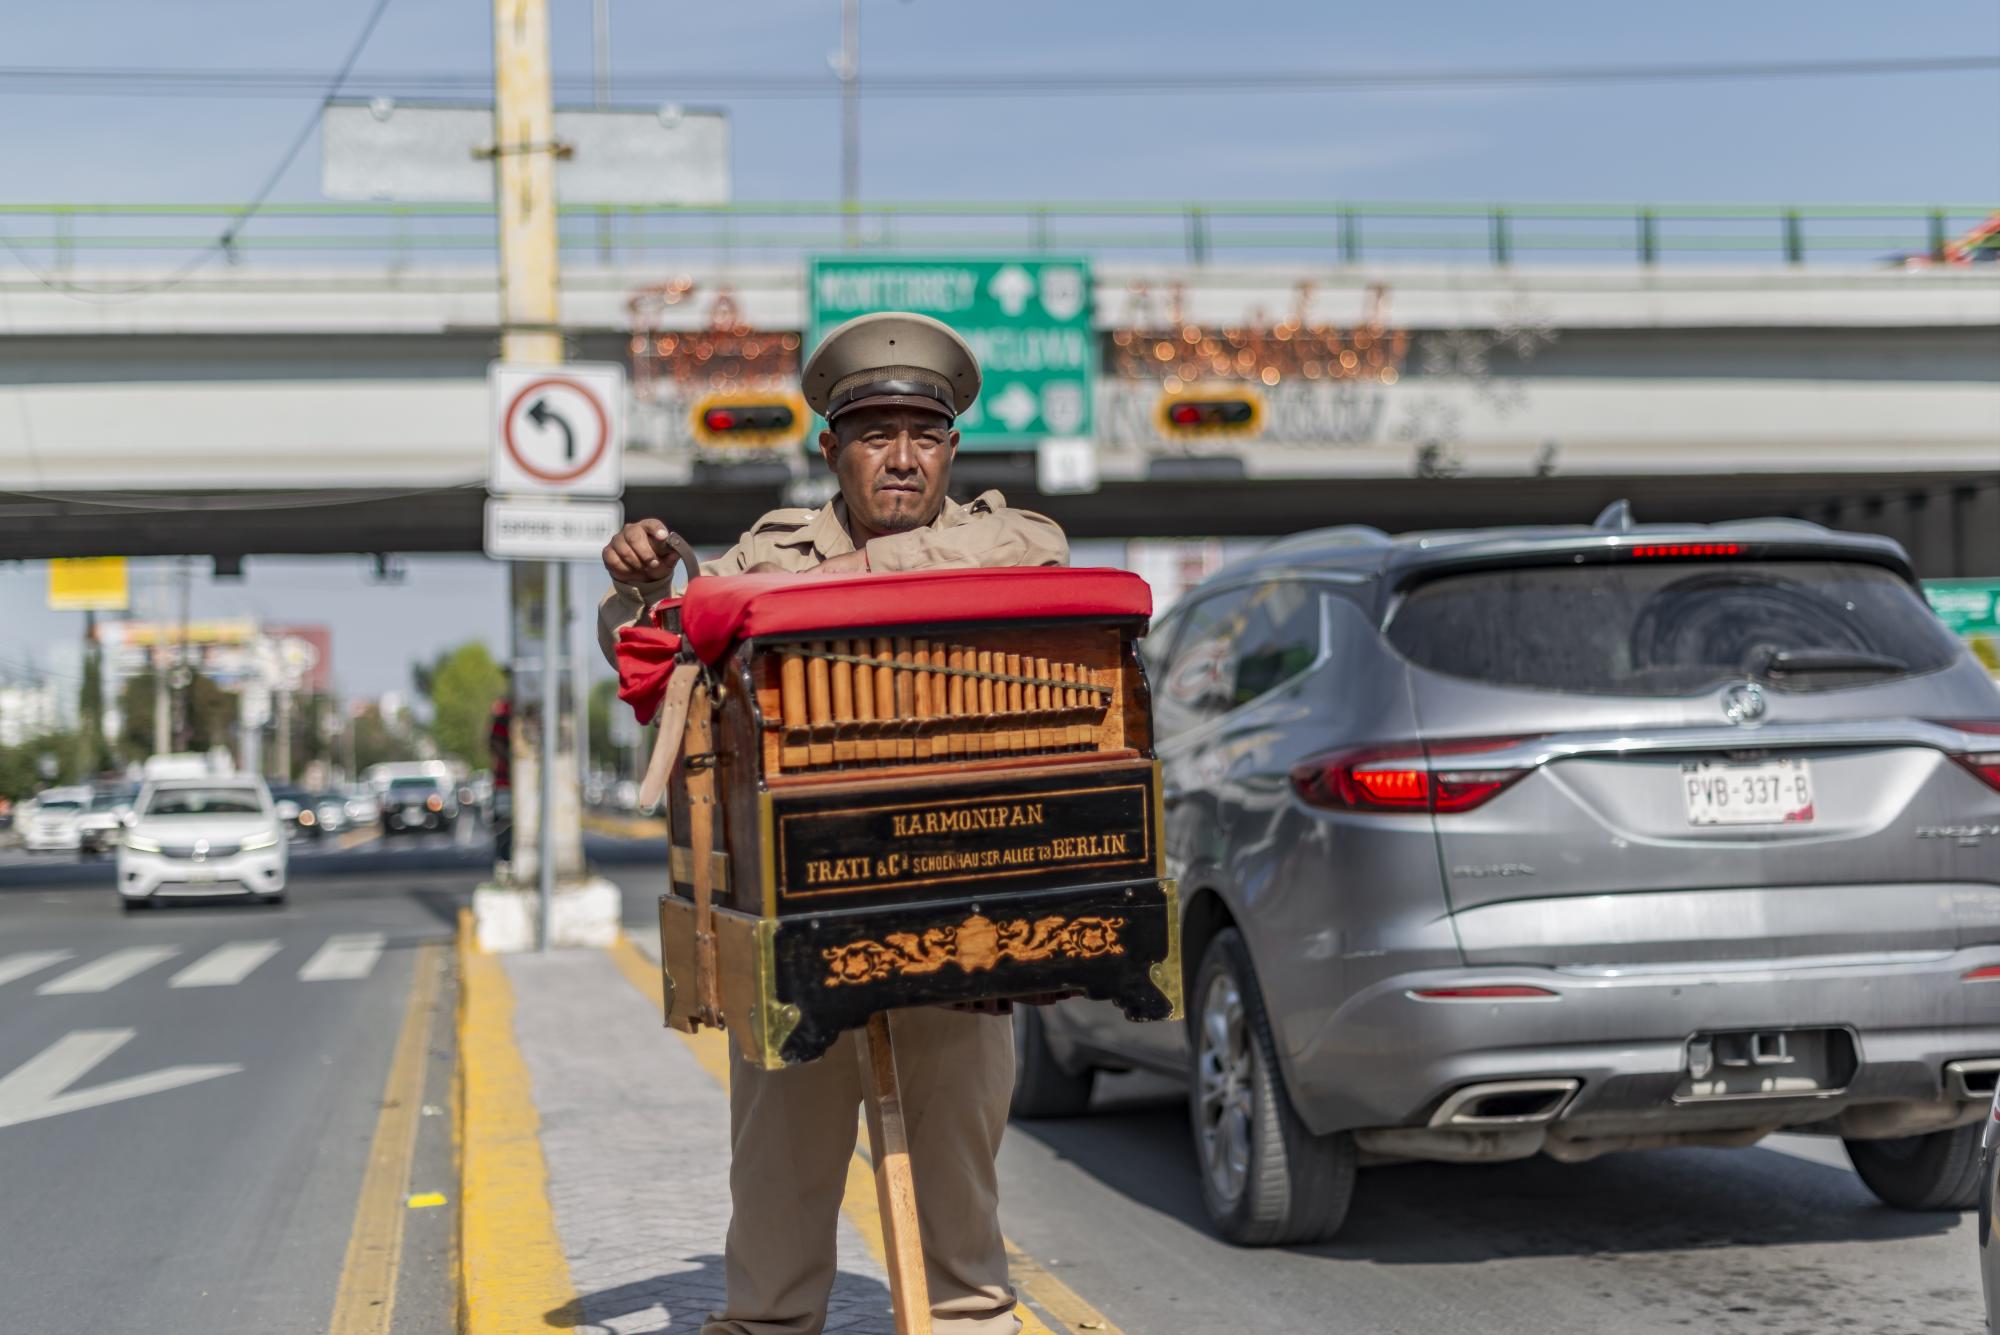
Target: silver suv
x=1563 y=841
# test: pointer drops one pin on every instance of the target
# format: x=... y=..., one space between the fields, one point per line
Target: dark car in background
x=418 y=804
x=1565 y=841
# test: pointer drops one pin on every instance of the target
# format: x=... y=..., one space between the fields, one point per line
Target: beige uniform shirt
x=984 y=533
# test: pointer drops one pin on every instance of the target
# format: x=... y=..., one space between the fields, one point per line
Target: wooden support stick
x=895 y=1191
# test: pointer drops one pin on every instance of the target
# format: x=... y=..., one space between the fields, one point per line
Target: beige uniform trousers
x=792 y=1133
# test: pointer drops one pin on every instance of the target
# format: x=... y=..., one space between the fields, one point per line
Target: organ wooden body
x=913 y=789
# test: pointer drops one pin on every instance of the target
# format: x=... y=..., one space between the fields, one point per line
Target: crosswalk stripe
x=106 y=972
x=226 y=965
x=30 y=961
x=350 y=955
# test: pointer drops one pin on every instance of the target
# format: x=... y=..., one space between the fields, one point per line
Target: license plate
x=201 y=878
x=1770 y=792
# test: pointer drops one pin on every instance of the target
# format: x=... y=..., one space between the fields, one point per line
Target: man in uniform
x=889 y=386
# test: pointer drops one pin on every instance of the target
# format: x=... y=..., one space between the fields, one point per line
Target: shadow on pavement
x=689 y=1296
x=1138 y=1144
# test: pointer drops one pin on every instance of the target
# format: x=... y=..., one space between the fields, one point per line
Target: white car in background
x=52 y=826
x=202 y=837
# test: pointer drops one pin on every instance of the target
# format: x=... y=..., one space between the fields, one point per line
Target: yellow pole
x=524 y=134
x=525 y=196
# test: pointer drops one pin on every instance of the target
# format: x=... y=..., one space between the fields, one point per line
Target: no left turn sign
x=557 y=430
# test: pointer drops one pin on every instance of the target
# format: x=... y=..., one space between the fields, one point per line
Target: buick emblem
x=1744 y=703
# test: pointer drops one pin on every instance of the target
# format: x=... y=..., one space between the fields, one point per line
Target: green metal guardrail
x=57 y=236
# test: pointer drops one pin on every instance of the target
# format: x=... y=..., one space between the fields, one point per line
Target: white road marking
x=103 y=974
x=226 y=965
x=30 y=961
x=350 y=955
x=35 y=1089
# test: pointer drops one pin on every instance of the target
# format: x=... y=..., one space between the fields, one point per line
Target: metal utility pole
x=577 y=635
x=600 y=35
x=162 y=720
x=850 y=118
x=183 y=676
x=525 y=166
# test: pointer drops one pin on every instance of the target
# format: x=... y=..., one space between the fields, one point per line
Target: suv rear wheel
x=1938 y=1171
x=1042 y=1088
x=1265 y=1178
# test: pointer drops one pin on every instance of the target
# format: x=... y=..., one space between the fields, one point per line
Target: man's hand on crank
x=639 y=554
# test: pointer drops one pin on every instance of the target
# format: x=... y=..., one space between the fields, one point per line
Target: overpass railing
x=62 y=238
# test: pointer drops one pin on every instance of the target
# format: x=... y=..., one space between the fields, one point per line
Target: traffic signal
x=1210 y=410
x=748 y=421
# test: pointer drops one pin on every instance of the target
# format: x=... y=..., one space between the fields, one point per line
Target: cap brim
x=894 y=401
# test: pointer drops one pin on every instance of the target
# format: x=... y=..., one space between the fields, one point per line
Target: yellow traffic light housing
x=1215 y=409
x=748 y=421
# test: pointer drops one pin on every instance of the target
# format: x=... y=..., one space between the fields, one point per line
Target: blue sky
x=1903 y=138
x=1900 y=139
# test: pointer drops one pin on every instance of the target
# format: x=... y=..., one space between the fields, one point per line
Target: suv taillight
x=1984 y=762
x=1442 y=777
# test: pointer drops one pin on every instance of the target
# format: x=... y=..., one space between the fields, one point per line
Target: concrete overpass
x=342 y=408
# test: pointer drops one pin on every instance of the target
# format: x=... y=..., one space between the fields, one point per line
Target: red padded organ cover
x=719 y=610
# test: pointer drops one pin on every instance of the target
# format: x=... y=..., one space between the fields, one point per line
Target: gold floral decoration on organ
x=977 y=943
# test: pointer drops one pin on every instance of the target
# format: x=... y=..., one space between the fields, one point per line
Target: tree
x=377 y=740
x=462 y=685
x=211 y=714
x=95 y=754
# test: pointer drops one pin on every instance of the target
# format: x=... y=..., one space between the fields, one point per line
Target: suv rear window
x=1679 y=628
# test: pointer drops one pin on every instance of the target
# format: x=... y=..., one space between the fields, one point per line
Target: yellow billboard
x=88 y=584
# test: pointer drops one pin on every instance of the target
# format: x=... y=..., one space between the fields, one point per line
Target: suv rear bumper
x=1388 y=1058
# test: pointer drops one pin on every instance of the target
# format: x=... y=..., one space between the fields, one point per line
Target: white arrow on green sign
x=1026 y=317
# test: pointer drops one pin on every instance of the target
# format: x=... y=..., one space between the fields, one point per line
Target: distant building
x=30 y=711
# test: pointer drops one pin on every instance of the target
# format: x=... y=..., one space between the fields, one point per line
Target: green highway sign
x=1027 y=319
x=1967 y=606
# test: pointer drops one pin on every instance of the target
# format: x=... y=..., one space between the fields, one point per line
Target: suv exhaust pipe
x=1502 y=1103
x=1972 y=1080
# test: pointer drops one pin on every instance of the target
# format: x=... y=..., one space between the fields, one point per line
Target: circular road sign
x=555 y=430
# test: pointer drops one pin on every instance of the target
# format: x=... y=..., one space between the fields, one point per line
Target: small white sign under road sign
x=557 y=430
x=550 y=530
x=1066 y=464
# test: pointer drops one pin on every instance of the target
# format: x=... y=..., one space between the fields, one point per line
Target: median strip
x=1048 y=1306
x=365 y=1301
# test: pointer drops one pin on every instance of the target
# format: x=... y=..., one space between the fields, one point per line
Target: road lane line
x=40 y=1086
x=357 y=837
x=1032 y=1283
x=364 y=1303
x=346 y=956
x=513 y=1274
x=31 y=961
x=226 y=965
x=106 y=972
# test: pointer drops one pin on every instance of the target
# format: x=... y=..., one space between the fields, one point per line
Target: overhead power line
x=330 y=88
x=277 y=83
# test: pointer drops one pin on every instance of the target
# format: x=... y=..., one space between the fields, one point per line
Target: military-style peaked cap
x=893 y=357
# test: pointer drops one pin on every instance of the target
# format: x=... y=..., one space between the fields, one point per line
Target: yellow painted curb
x=858 y=1202
x=513 y=1276
x=364 y=1303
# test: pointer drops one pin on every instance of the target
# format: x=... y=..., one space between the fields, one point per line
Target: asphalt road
x=1778 y=1240
x=218 y=1194
x=187 y=1097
